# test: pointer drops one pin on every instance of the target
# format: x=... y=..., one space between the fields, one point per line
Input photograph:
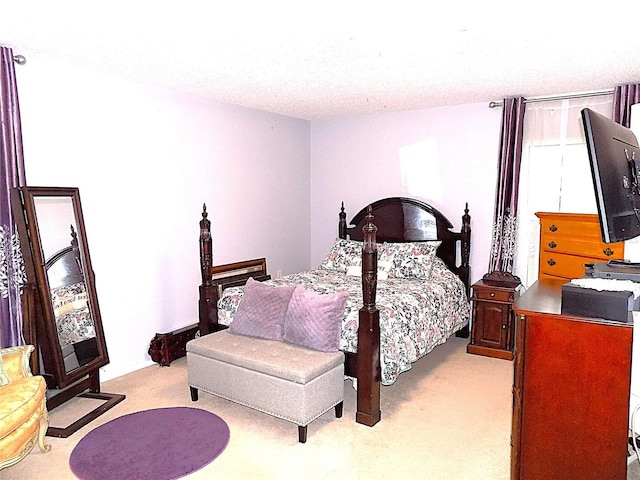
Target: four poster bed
x=407 y=274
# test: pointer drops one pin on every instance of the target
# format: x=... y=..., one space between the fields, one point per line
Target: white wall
x=445 y=156
x=145 y=161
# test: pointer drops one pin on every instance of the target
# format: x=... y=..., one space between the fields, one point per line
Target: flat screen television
x=613 y=153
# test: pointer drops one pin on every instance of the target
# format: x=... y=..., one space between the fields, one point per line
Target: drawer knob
x=551 y=262
x=552 y=244
x=608 y=252
x=492 y=294
x=553 y=228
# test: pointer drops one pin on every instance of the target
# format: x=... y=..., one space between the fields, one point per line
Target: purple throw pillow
x=315 y=320
x=262 y=310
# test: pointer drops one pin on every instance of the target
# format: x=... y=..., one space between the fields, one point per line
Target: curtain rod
x=559 y=97
x=19 y=59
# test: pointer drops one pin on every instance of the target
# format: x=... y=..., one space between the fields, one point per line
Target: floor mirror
x=61 y=315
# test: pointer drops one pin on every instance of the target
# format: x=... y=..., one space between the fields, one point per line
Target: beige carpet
x=448 y=418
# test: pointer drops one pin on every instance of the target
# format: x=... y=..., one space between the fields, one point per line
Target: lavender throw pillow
x=315 y=320
x=262 y=310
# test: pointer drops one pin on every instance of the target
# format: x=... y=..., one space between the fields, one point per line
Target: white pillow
x=383 y=270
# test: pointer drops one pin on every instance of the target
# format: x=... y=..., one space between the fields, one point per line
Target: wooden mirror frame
x=44 y=334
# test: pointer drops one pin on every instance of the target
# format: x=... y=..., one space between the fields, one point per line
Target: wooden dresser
x=568 y=241
x=571 y=391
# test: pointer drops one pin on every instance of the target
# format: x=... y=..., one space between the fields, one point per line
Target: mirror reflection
x=69 y=295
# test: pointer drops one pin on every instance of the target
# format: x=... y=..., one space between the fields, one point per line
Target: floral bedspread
x=416 y=315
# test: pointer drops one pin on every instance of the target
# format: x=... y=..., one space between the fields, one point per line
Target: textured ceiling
x=332 y=59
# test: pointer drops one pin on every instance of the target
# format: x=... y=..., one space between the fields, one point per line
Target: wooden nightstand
x=493 y=326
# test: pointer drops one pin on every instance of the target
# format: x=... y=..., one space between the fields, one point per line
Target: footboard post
x=208 y=309
x=368 y=364
x=208 y=301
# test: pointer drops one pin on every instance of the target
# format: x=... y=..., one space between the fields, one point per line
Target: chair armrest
x=15 y=361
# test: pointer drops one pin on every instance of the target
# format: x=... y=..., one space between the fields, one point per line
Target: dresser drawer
x=585 y=226
x=562 y=265
x=493 y=294
x=586 y=248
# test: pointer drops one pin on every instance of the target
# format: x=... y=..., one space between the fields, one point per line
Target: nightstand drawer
x=493 y=294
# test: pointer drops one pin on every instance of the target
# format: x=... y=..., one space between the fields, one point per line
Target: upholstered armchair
x=23 y=412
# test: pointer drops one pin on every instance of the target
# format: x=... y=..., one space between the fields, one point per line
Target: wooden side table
x=493 y=326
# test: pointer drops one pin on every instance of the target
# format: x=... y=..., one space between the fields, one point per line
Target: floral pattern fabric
x=411 y=259
x=343 y=254
x=416 y=314
x=73 y=318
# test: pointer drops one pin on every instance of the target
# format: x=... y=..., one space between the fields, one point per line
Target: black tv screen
x=613 y=153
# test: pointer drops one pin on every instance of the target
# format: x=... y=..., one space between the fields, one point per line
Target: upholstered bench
x=288 y=381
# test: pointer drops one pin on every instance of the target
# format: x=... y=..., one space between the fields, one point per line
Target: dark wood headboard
x=65 y=267
x=402 y=219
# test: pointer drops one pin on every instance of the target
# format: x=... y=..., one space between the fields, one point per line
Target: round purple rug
x=157 y=444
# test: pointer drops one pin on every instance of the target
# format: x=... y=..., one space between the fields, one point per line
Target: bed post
x=76 y=250
x=342 y=223
x=368 y=362
x=207 y=304
x=465 y=232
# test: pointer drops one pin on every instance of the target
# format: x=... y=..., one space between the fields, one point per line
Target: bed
x=388 y=323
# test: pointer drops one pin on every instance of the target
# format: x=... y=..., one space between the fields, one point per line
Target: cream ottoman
x=287 y=381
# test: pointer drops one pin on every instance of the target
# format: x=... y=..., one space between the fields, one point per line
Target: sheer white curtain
x=554 y=174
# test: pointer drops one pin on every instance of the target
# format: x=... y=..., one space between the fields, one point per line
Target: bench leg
x=194 y=394
x=302 y=434
x=338 y=409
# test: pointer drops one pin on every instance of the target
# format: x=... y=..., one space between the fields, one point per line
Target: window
x=554 y=175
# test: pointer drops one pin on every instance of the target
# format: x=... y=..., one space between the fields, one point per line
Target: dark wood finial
x=369 y=262
x=206 y=247
x=369 y=230
x=342 y=222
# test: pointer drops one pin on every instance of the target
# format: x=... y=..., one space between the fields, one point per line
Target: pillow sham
x=343 y=253
x=69 y=298
x=410 y=259
x=315 y=320
x=262 y=310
